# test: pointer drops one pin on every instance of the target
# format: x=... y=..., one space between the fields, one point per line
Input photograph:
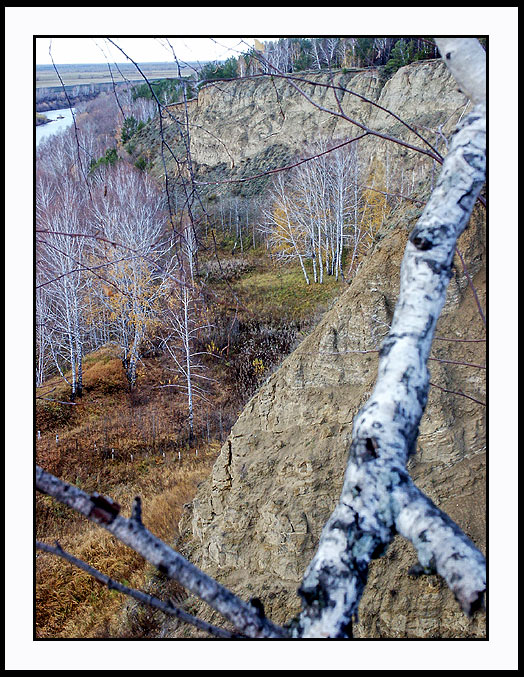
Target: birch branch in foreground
x=245 y=617
x=378 y=498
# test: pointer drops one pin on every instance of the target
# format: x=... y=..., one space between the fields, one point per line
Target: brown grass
x=147 y=423
x=144 y=430
x=70 y=604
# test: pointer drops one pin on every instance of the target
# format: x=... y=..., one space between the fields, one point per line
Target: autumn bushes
x=276 y=310
x=104 y=375
x=224 y=269
x=257 y=348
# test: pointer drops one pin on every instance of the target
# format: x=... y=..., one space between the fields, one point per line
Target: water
x=62 y=119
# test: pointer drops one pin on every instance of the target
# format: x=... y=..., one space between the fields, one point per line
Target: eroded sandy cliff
x=255 y=523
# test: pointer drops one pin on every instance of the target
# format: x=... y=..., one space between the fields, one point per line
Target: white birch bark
x=180 y=319
x=378 y=497
x=62 y=279
x=285 y=231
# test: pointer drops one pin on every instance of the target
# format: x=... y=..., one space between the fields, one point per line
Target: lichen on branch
x=378 y=498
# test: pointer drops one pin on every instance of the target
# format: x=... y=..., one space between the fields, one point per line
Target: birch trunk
x=378 y=497
x=187 y=348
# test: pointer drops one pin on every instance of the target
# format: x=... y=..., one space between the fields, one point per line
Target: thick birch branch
x=245 y=617
x=466 y=59
x=378 y=498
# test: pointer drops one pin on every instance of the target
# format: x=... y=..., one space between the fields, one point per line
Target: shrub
x=141 y=163
x=106 y=377
x=228 y=269
x=214 y=70
x=110 y=158
x=130 y=127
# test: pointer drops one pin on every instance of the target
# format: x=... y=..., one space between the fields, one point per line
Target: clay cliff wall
x=255 y=522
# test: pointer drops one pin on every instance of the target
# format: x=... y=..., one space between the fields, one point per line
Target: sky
x=67 y=50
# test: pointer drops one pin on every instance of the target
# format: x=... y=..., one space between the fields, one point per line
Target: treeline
x=166 y=91
x=53 y=98
x=290 y=55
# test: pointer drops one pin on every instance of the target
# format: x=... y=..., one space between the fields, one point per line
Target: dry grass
x=146 y=430
x=70 y=604
x=75 y=74
x=283 y=290
x=125 y=444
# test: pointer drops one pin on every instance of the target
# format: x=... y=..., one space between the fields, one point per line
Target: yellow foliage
x=212 y=348
x=375 y=208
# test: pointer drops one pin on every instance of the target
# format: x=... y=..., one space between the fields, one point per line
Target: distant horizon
x=117 y=63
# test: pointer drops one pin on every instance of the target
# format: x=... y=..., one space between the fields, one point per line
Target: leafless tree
x=62 y=284
x=183 y=323
x=313 y=213
x=282 y=226
x=128 y=209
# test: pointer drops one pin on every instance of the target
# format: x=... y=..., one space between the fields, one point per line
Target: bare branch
x=149 y=600
x=457 y=392
x=105 y=512
x=472 y=286
x=276 y=170
x=49 y=399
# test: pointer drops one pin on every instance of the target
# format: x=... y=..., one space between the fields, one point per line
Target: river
x=62 y=119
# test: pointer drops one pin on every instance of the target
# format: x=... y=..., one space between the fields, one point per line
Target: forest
x=162 y=308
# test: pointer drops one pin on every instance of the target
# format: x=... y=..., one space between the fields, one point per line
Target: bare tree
x=378 y=498
x=183 y=324
x=128 y=209
x=62 y=286
x=282 y=228
x=309 y=214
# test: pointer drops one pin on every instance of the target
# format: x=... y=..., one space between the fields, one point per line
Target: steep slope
x=241 y=128
x=256 y=522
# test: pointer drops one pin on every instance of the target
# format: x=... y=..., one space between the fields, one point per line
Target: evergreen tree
x=217 y=71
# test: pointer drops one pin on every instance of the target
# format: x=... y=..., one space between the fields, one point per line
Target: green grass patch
x=284 y=289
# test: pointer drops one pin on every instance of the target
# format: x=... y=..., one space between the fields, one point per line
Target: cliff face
x=255 y=523
x=241 y=128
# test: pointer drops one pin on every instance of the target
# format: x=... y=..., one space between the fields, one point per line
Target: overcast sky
x=140 y=49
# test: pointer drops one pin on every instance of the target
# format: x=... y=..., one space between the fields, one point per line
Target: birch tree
x=129 y=210
x=62 y=278
x=284 y=233
x=378 y=498
x=183 y=326
x=310 y=213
